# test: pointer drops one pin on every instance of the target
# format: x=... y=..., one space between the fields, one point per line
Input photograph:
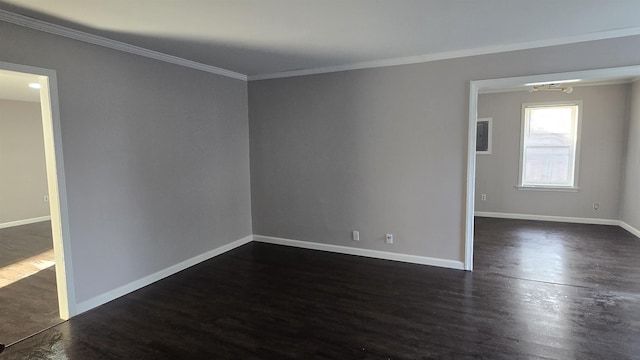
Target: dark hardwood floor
x=272 y=302
x=593 y=256
x=20 y=242
x=30 y=304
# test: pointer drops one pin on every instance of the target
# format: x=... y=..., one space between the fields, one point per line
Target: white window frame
x=576 y=147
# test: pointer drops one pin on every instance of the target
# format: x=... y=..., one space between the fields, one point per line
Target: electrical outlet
x=389 y=239
x=355 y=235
x=596 y=206
x=45 y=198
x=483 y=197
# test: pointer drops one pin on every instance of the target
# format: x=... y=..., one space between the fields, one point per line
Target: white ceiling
x=15 y=86
x=258 y=37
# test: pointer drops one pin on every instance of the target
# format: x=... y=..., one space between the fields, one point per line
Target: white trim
x=629 y=228
x=56 y=184
x=147 y=280
x=47 y=27
x=24 y=222
x=476 y=86
x=566 y=219
x=602 y=35
x=44 y=26
x=547 y=188
x=471 y=175
x=423 y=260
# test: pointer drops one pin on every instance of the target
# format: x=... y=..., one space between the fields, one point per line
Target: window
x=548 y=156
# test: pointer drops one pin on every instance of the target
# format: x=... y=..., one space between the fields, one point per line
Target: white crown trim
x=44 y=26
x=602 y=35
x=47 y=27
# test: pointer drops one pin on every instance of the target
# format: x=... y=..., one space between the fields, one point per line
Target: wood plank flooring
x=21 y=242
x=265 y=301
x=594 y=256
x=28 y=296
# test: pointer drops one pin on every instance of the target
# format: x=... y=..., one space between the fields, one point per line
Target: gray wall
x=156 y=157
x=383 y=150
x=24 y=177
x=631 y=196
x=601 y=162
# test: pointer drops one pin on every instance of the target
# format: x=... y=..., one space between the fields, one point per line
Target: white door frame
x=505 y=83
x=56 y=184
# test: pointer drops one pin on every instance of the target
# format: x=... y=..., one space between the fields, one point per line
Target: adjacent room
x=27 y=262
x=550 y=183
x=327 y=179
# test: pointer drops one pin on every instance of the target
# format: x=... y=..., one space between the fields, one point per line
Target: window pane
x=550 y=126
x=547 y=166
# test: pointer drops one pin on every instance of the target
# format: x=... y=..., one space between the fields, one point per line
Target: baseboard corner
x=552 y=218
x=377 y=254
x=629 y=228
x=157 y=276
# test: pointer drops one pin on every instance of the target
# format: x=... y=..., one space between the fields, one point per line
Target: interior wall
x=601 y=155
x=631 y=195
x=156 y=157
x=23 y=183
x=384 y=150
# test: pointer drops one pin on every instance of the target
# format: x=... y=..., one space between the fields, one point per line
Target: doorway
x=514 y=83
x=36 y=271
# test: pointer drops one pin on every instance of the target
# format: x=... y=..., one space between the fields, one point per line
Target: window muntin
x=549 y=145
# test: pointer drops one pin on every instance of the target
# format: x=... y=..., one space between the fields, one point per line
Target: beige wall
x=601 y=157
x=23 y=182
x=156 y=158
x=384 y=150
x=631 y=196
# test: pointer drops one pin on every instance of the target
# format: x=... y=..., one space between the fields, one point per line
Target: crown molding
x=47 y=27
x=603 y=35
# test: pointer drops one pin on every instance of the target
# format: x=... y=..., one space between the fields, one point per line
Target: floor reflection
x=50 y=346
x=26 y=267
x=542 y=255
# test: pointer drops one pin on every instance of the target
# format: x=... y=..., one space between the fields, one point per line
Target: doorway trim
x=475 y=87
x=58 y=207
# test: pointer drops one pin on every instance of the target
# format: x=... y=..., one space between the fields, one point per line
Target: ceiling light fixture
x=552 y=87
x=553 y=82
x=34 y=86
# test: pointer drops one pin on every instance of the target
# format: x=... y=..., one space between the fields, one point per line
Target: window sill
x=548 y=188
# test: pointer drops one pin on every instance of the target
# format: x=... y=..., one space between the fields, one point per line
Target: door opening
x=55 y=193
x=513 y=83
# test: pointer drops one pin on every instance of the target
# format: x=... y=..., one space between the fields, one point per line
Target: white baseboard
x=566 y=219
x=414 y=259
x=630 y=228
x=24 y=221
x=135 y=285
x=147 y=280
x=423 y=260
